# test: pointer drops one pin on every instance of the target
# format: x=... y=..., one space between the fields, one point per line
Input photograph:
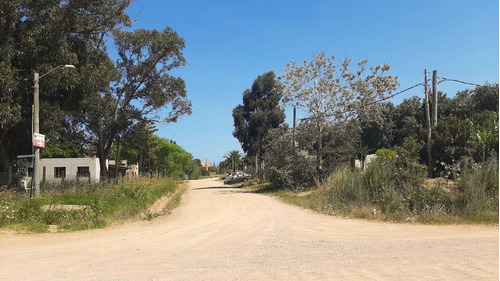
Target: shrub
x=347 y=187
x=421 y=201
x=295 y=172
x=386 y=154
x=478 y=185
x=288 y=169
x=400 y=193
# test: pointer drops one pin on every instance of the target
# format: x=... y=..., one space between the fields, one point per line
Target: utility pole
x=428 y=121
x=434 y=98
x=36 y=130
x=36 y=125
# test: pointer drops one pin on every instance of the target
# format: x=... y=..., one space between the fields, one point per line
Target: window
x=59 y=172
x=83 y=172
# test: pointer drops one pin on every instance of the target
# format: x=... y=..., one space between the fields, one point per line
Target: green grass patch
x=97 y=205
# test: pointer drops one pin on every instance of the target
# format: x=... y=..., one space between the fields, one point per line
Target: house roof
x=207 y=164
x=120 y=167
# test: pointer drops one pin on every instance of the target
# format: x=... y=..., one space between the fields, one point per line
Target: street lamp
x=36 y=124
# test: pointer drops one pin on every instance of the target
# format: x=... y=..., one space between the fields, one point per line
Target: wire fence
x=21 y=181
x=10 y=179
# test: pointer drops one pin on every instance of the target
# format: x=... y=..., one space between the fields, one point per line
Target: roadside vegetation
x=121 y=87
x=325 y=160
x=160 y=157
x=81 y=207
x=385 y=192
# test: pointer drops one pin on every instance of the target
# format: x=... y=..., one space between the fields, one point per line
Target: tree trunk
x=319 y=156
x=117 y=159
x=256 y=166
x=141 y=165
x=102 y=163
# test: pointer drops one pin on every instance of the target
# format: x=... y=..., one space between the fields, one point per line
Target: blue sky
x=230 y=43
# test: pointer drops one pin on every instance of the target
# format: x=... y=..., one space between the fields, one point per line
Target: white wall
x=71 y=165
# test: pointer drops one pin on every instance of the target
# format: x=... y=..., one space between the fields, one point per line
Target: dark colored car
x=238 y=177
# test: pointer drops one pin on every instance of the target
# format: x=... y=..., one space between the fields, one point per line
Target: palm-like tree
x=234 y=157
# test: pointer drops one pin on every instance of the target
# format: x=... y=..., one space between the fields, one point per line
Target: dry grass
x=374 y=195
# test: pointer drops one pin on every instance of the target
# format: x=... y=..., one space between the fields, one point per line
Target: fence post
x=10 y=175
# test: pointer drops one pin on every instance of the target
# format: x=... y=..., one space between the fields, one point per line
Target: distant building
x=207 y=165
x=123 y=168
x=79 y=169
x=87 y=169
x=368 y=159
x=353 y=163
x=133 y=172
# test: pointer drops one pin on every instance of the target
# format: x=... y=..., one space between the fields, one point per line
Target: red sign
x=38 y=140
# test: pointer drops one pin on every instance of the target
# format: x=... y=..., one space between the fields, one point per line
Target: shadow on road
x=225 y=189
x=216 y=187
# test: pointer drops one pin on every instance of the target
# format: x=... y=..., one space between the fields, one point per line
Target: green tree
x=259 y=113
x=291 y=168
x=142 y=89
x=377 y=125
x=234 y=160
x=486 y=98
x=453 y=139
x=171 y=160
x=409 y=120
x=38 y=36
x=61 y=151
x=136 y=145
x=329 y=91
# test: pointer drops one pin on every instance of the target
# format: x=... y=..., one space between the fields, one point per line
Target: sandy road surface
x=225 y=234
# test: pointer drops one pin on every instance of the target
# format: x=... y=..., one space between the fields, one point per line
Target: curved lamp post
x=36 y=124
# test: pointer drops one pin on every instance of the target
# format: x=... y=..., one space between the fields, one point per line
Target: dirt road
x=223 y=233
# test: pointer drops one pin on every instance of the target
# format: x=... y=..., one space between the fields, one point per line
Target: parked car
x=237 y=177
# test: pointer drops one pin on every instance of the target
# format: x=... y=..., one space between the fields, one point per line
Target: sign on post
x=38 y=140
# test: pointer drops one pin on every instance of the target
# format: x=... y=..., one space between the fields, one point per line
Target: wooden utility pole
x=36 y=130
x=434 y=98
x=428 y=121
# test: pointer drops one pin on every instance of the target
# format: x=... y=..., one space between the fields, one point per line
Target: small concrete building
x=353 y=163
x=350 y=164
x=77 y=169
x=133 y=172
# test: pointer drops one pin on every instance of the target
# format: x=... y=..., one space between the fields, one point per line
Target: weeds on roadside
x=386 y=192
x=98 y=205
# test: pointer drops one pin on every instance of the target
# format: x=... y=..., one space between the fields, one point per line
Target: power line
x=443 y=79
x=368 y=104
x=388 y=97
